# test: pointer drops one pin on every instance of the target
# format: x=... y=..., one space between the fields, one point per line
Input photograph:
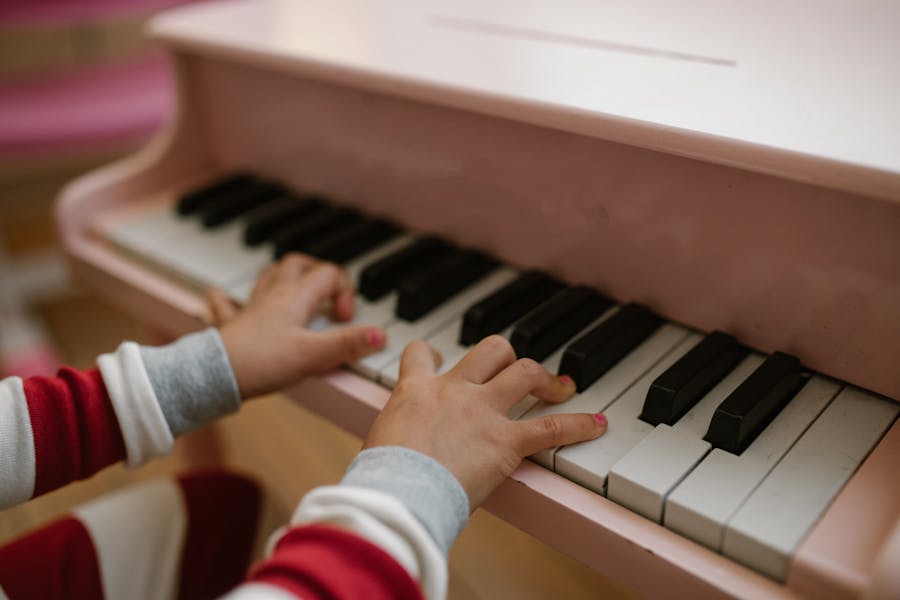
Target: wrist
x=427 y=488
x=192 y=379
x=234 y=344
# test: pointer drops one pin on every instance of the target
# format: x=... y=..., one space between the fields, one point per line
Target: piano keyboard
x=735 y=450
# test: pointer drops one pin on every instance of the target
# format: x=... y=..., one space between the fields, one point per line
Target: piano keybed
x=735 y=450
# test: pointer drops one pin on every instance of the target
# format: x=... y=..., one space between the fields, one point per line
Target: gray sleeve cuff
x=192 y=379
x=425 y=486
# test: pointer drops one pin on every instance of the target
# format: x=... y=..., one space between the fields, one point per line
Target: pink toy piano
x=694 y=208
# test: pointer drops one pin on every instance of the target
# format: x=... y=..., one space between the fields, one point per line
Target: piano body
x=702 y=162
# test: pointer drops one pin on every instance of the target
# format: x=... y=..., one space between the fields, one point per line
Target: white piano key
x=240 y=292
x=445 y=341
x=777 y=516
x=700 y=506
x=400 y=332
x=603 y=392
x=220 y=258
x=182 y=247
x=620 y=395
x=152 y=228
x=151 y=237
x=641 y=480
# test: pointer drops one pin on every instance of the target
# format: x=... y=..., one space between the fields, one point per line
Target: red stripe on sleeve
x=317 y=561
x=76 y=432
x=58 y=561
x=222 y=510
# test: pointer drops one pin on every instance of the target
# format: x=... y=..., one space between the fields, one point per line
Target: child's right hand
x=459 y=418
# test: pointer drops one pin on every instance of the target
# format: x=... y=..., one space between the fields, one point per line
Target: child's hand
x=459 y=418
x=268 y=343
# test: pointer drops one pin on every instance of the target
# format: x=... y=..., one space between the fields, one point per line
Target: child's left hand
x=268 y=343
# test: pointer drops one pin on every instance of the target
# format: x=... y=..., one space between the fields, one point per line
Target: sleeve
x=392 y=503
x=54 y=430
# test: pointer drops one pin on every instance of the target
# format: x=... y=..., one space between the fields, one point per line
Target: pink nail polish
x=600 y=418
x=376 y=337
x=565 y=380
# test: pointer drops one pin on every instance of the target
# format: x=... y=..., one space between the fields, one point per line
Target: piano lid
x=807 y=90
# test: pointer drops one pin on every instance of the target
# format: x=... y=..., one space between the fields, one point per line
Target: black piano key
x=593 y=354
x=382 y=276
x=418 y=294
x=683 y=384
x=548 y=326
x=352 y=240
x=298 y=236
x=228 y=205
x=194 y=199
x=742 y=416
x=506 y=306
x=263 y=222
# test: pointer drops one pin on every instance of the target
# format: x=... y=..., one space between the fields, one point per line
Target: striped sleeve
x=384 y=532
x=54 y=430
x=184 y=538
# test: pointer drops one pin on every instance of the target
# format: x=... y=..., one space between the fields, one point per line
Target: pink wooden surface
x=836 y=560
x=83 y=111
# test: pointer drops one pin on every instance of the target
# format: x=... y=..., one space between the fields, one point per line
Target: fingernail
x=600 y=418
x=565 y=380
x=376 y=337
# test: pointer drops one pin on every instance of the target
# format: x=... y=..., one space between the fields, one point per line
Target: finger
x=341 y=345
x=293 y=266
x=343 y=306
x=418 y=359
x=526 y=376
x=323 y=282
x=534 y=435
x=486 y=359
x=221 y=307
x=264 y=280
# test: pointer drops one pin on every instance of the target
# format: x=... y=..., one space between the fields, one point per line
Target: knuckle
x=404 y=388
x=551 y=430
x=497 y=344
x=293 y=260
x=330 y=270
x=529 y=368
x=416 y=346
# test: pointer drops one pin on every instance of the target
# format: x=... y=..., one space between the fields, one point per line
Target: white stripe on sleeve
x=386 y=522
x=257 y=591
x=17 y=462
x=141 y=420
x=138 y=534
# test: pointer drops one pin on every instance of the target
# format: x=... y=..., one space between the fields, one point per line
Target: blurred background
x=80 y=86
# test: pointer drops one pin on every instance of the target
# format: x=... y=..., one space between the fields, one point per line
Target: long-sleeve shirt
x=384 y=531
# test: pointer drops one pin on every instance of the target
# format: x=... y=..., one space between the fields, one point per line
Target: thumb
x=341 y=345
x=558 y=430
